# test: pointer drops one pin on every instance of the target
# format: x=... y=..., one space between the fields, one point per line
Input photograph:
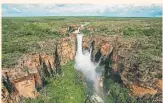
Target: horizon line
x=92 y=16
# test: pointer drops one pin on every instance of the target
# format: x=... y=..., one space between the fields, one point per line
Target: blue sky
x=117 y=10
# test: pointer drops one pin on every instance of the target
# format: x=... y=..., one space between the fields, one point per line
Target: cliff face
x=29 y=75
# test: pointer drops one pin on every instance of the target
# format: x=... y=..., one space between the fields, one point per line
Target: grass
x=68 y=88
x=119 y=94
x=62 y=89
x=22 y=34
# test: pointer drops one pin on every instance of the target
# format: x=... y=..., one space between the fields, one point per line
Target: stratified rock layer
x=29 y=75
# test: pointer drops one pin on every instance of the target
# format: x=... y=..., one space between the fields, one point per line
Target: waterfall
x=79 y=44
x=84 y=64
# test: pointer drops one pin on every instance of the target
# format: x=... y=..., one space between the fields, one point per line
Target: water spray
x=84 y=64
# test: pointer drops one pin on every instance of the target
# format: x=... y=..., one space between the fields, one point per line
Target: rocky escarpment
x=26 y=78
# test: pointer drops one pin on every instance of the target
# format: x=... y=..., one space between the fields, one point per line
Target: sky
x=110 y=10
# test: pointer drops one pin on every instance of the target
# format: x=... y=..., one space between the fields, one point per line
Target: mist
x=84 y=64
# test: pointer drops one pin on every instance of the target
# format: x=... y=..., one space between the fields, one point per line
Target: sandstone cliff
x=26 y=78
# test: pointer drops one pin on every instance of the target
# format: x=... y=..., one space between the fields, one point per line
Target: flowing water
x=84 y=64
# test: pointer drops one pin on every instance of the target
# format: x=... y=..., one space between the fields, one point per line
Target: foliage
x=20 y=35
x=23 y=35
x=62 y=89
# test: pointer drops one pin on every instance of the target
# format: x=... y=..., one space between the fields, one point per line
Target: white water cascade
x=84 y=64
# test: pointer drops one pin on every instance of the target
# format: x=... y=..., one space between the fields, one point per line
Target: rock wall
x=29 y=75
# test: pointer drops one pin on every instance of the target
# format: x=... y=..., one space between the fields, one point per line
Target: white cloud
x=79 y=9
x=16 y=10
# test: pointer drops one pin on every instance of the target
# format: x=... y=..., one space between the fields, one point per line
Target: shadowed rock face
x=29 y=75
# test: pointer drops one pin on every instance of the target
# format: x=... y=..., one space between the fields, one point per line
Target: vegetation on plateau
x=21 y=36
